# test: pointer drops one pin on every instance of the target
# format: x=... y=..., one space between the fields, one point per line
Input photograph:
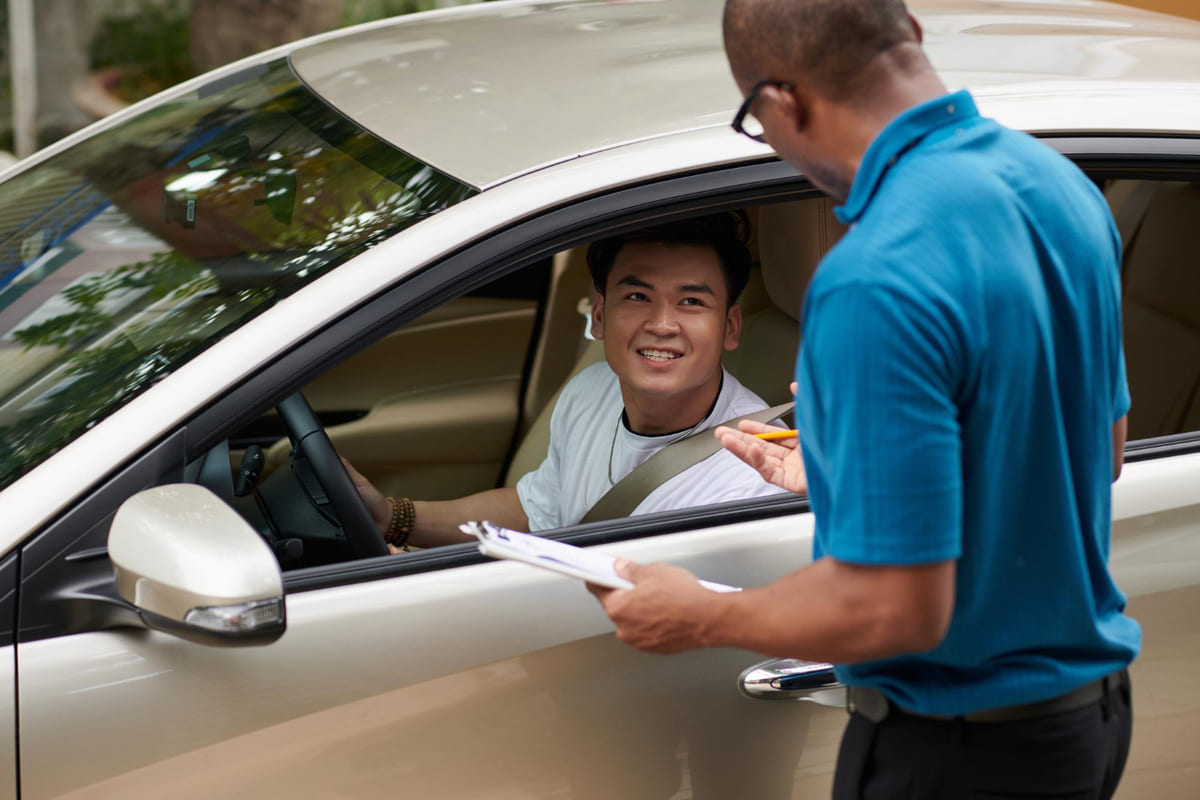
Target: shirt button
x=950 y=108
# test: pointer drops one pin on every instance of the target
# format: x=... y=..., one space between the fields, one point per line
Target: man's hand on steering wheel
x=374 y=500
x=313 y=454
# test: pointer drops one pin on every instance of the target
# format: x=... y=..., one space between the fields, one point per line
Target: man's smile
x=655 y=354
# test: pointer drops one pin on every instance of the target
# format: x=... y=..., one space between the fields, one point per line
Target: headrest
x=792 y=239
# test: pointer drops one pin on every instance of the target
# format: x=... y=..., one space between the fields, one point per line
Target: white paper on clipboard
x=566 y=559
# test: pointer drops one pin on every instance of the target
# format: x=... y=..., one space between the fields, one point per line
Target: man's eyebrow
x=696 y=288
x=633 y=280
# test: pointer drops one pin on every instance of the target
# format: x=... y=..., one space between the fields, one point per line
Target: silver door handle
x=792 y=679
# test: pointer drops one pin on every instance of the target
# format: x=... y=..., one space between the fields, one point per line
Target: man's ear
x=792 y=103
x=598 y=317
x=733 y=326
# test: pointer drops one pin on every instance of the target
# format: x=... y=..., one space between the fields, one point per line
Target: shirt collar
x=901 y=134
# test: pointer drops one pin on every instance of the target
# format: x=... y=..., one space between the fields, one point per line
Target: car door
x=440 y=675
x=486 y=680
x=1156 y=503
x=433 y=675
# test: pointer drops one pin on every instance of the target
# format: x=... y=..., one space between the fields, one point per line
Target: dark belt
x=875 y=706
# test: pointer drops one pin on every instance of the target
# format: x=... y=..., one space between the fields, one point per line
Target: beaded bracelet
x=404 y=516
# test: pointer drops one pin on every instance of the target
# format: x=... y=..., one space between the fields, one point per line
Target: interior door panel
x=441 y=396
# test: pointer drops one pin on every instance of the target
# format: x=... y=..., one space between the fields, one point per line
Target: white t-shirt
x=591 y=449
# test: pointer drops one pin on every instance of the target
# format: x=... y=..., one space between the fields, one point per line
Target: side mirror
x=192 y=567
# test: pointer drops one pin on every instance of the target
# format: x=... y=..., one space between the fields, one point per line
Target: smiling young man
x=666 y=309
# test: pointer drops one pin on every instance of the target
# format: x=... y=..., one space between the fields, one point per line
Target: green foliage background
x=148 y=39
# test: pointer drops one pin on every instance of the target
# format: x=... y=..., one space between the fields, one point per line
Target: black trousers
x=1074 y=755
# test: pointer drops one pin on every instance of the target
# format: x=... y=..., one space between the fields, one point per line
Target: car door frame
x=465 y=270
x=72 y=537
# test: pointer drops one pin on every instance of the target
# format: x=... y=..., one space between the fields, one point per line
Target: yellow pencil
x=772 y=435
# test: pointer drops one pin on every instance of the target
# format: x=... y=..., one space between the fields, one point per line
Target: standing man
x=961 y=401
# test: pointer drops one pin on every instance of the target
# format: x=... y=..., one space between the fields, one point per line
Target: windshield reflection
x=128 y=254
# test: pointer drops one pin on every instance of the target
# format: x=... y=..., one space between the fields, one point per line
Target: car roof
x=492 y=91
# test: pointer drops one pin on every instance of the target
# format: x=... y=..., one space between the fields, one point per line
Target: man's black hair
x=726 y=233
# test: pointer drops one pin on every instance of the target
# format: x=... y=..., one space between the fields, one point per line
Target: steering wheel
x=312 y=443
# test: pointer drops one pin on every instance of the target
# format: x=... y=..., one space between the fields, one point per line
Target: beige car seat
x=1161 y=315
x=560 y=344
x=791 y=239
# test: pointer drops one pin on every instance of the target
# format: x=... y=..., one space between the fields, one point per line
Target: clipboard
x=565 y=559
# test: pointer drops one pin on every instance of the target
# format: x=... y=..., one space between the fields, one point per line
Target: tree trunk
x=226 y=30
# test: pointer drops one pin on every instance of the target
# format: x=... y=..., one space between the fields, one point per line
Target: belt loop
x=1105 y=700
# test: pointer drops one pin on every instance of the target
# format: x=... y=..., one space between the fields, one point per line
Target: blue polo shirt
x=960 y=373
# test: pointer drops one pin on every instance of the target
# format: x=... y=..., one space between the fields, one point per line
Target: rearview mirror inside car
x=192 y=567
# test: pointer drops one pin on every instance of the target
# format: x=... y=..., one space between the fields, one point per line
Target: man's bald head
x=825 y=43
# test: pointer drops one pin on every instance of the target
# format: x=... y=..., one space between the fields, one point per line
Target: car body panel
x=394 y=683
x=1155 y=559
x=472 y=680
x=610 y=74
x=403 y=670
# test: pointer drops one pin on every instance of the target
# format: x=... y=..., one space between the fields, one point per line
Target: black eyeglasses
x=744 y=122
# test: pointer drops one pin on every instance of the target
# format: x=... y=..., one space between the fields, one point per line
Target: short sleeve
x=1121 y=399
x=540 y=489
x=878 y=376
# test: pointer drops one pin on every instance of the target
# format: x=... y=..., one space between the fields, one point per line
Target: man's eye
x=635 y=296
x=692 y=301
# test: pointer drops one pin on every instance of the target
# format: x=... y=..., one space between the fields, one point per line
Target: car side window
x=458 y=401
x=1160 y=280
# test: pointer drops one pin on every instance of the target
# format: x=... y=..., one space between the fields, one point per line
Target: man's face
x=787 y=126
x=665 y=319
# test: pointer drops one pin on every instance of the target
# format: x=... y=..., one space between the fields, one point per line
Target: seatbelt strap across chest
x=627 y=493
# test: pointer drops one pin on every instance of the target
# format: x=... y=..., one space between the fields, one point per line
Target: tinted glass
x=126 y=255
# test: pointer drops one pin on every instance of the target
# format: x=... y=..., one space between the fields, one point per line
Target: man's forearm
x=437 y=521
x=834 y=611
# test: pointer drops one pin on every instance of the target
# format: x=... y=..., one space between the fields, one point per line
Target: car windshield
x=132 y=251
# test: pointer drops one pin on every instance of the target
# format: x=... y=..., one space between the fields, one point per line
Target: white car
x=390 y=219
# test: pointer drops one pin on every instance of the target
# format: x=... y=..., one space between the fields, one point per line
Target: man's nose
x=663 y=320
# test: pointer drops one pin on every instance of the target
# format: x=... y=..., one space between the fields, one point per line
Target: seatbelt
x=627 y=493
